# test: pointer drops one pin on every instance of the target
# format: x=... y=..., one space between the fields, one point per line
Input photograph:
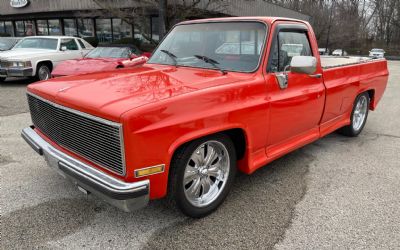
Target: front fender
x=152 y=133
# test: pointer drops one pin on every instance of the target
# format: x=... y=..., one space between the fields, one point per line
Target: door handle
x=316 y=76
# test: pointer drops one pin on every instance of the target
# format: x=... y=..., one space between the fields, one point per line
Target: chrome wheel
x=43 y=73
x=206 y=173
x=360 y=112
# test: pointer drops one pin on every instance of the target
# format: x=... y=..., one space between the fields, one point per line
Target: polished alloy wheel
x=206 y=173
x=43 y=73
x=360 y=112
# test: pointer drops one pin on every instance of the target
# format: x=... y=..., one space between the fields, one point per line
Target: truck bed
x=328 y=62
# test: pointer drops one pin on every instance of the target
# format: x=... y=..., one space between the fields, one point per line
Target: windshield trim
x=262 y=51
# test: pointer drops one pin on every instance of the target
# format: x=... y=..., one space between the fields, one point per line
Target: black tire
x=176 y=192
x=40 y=76
x=352 y=130
x=2 y=79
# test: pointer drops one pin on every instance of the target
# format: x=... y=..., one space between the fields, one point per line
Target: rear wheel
x=202 y=174
x=43 y=72
x=358 y=116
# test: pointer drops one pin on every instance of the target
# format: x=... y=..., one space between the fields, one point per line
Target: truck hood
x=110 y=94
x=22 y=54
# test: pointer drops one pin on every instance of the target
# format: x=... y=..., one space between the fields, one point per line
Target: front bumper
x=16 y=72
x=126 y=196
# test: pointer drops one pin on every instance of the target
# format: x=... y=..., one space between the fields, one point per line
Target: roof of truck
x=266 y=19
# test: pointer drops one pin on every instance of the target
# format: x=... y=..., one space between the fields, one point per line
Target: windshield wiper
x=171 y=55
x=211 y=61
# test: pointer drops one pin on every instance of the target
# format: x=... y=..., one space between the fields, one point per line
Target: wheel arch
x=238 y=136
x=45 y=61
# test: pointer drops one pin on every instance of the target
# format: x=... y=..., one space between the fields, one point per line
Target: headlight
x=21 y=64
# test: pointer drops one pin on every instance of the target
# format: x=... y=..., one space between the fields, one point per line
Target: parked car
x=182 y=124
x=36 y=56
x=339 y=52
x=106 y=57
x=7 y=43
x=377 y=53
x=323 y=51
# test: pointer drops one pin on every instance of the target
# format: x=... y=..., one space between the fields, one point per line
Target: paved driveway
x=335 y=193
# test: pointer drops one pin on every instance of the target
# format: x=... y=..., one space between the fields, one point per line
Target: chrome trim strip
x=98 y=119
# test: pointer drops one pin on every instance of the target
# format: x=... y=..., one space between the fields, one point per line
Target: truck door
x=295 y=111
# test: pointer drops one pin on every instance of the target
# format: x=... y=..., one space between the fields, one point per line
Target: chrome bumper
x=16 y=72
x=126 y=196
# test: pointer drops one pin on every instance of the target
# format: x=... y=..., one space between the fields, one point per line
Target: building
x=85 y=18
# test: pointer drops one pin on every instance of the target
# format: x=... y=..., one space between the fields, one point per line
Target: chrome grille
x=98 y=140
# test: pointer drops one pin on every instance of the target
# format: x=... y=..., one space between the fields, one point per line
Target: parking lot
x=337 y=193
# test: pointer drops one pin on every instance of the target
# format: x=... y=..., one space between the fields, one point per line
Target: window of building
x=20 y=28
x=70 y=28
x=85 y=27
x=121 y=29
x=42 y=29
x=155 y=35
x=8 y=28
x=103 y=30
x=54 y=27
x=70 y=44
x=30 y=29
x=2 y=28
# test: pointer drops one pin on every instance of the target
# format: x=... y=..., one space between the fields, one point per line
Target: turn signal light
x=149 y=171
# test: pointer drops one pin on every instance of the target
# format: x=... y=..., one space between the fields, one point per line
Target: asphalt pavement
x=336 y=193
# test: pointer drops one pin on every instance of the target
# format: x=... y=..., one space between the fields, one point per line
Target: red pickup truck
x=217 y=96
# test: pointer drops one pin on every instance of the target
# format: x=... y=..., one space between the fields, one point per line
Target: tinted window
x=288 y=45
x=69 y=43
x=235 y=46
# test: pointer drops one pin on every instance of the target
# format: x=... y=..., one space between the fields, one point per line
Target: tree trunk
x=162 y=10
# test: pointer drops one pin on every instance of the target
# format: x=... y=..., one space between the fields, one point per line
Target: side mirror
x=303 y=64
x=63 y=48
x=299 y=64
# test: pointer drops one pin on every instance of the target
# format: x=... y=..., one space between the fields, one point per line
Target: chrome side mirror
x=283 y=78
x=63 y=48
x=303 y=64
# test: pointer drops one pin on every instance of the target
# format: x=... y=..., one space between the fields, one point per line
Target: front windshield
x=109 y=52
x=234 y=46
x=37 y=43
x=6 y=43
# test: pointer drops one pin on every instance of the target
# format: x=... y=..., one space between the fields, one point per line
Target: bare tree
x=169 y=12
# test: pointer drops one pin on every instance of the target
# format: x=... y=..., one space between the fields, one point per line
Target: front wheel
x=202 y=175
x=359 y=116
x=43 y=72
